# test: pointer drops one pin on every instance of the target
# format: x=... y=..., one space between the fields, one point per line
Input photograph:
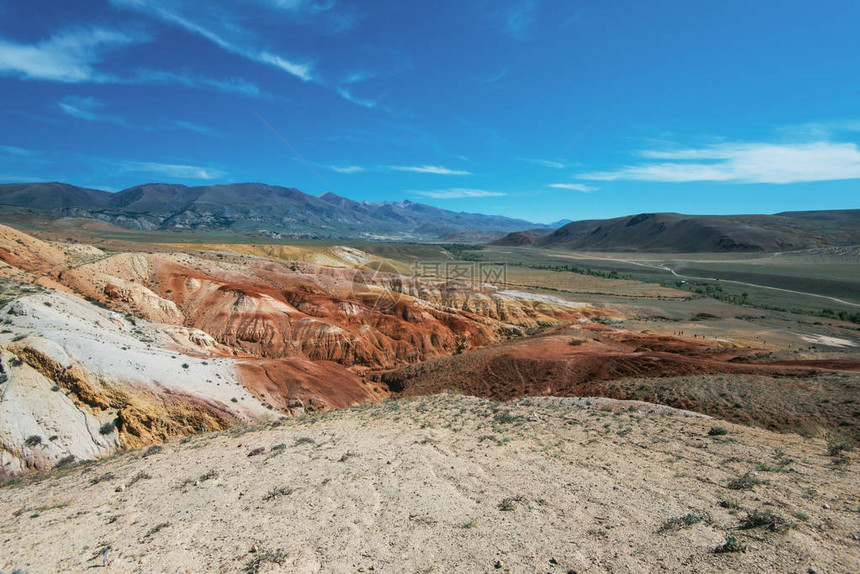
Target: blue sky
x=537 y=109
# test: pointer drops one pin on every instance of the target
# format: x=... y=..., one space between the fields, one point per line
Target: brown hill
x=679 y=233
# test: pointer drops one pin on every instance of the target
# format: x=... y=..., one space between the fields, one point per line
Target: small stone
x=497 y=564
x=553 y=561
x=120 y=488
x=825 y=506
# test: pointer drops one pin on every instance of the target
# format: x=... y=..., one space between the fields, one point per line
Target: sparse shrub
x=152 y=531
x=278 y=447
x=275 y=557
x=745 y=482
x=679 y=522
x=142 y=475
x=154 y=449
x=780 y=466
x=717 y=431
x=55 y=388
x=256 y=451
x=305 y=440
x=730 y=503
x=66 y=461
x=801 y=515
x=185 y=365
x=505 y=417
x=33 y=440
x=209 y=475
x=508 y=504
x=101 y=478
x=470 y=523
x=836 y=447
x=767 y=518
x=576 y=342
x=107 y=428
x=277 y=492
x=731 y=545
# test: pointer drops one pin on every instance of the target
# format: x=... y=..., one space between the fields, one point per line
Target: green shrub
x=745 y=482
x=731 y=545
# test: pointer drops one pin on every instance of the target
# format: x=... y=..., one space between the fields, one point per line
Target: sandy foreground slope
x=448 y=483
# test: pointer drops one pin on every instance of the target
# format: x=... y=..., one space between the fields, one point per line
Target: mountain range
x=283 y=212
x=255 y=208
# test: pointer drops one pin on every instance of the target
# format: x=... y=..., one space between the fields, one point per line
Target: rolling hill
x=676 y=232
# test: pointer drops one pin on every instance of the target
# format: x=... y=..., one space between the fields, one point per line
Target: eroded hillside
x=125 y=349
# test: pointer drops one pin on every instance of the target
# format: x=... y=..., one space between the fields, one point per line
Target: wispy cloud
x=356 y=77
x=177 y=171
x=435 y=169
x=334 y=20
x=170 y=12
x=574 y=187
x=363 y=102
x=229 y=85
x=192 y=127
x=744 y=163
x=68 y=56
x=518 y=17
x=495 y=77
x=14 y=151
x=554 y=164
x=822 y=130
x=347 y=168
x=458 y=193
x=87 y=108
x=72 y=56
x=13 y=178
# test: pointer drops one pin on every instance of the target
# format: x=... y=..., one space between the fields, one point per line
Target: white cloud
x=86 y=108
x=495 y=77
x=14 y=150
x=192 y=127
x=302 y=71
x=436 y=169
x=574 y=187
x=230 y=85
x=178 y=171
x=744 y=163
x=68 y=56
x=363 y=102
x=347 y=169
x=519 y=17
x=71 y=56
x=554 y=164
x=356 y=77
x=168 y=11
x=459 y=193
x=12 y=178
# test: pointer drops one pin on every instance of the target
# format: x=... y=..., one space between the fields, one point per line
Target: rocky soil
x=451 y=484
